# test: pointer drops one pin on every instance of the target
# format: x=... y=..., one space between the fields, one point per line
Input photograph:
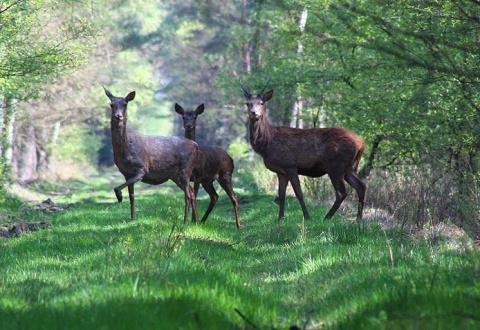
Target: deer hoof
x=118 y=193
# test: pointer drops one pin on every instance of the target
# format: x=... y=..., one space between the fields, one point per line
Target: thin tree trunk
x=8 y=122
x=26 y=156
x=2 y=126
x=42 y=150
x=368 y=167
x=53 y=147
x=297 y=118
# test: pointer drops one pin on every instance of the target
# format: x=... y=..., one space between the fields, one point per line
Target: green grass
x=98 y=269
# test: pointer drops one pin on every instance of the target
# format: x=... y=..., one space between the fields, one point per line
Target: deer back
x=215 y=160
x=312 y=151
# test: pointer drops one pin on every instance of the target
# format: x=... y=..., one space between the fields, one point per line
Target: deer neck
x=119 y=137
x=190 y=135
x=260 y=134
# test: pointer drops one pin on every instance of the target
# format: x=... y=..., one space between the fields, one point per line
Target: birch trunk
x=7 y=128
x=297 y=117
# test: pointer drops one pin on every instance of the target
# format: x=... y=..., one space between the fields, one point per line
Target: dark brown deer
x=213 y=163
x=314 y=152
x=150 y=159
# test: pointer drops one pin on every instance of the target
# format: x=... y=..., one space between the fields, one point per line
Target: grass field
x=98 y=269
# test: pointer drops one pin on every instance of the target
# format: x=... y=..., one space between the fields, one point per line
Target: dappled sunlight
x=342 y=92
x=331 y=271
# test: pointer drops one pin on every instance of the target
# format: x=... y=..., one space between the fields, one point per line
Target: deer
x=313 y=152
x=150 y=159
x=213 y=163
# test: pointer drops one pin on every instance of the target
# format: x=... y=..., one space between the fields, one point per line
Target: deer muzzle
x=254 y=114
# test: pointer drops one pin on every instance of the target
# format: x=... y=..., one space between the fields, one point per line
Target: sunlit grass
x=98 y=269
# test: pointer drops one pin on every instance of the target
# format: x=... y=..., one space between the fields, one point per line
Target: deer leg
x=118 y=194
x=131 y=195
x=360 y=187
x=282 y=187
x=190 y=199
x=183 y=182
x=340 y=194
x=129 y=182
x=190 y=192
x=226 y=183
x=299 y=194
x=132 y=180
x=196 y=186
x=208 y=186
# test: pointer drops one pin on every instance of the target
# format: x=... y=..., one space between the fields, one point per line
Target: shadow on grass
x=97 y=268
x=121 y=313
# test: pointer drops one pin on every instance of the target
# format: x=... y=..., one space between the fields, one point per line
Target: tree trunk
x=297 y=118
x=6 y=129
x=53 y=146
x=2 y=114
x=42 y=151
x=368 y=167
x=26 y=158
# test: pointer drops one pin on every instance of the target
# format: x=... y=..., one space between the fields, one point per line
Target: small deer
x=150 y=159
x=213 y=163
x=313 y=152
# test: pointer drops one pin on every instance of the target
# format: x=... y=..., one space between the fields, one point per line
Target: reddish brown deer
x=150 y=159
x=313 y=152
x=213 y=163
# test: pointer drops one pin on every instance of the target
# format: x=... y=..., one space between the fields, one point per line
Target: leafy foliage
x=36 y=44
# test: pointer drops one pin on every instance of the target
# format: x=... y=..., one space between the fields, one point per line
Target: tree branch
x=2 y=10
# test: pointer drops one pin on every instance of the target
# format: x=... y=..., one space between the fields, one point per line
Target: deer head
x=255 y=104
x=189 y=117
x=119 y=105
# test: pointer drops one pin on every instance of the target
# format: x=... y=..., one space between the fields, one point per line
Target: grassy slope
x=98 y=269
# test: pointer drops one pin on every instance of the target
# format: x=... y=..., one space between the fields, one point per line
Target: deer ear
x=200 y=109
x=268 y=95
x=107 y=92
x=179 y=109
x=130 y=96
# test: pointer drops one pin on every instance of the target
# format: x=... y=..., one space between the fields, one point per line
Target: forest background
x=402 y=74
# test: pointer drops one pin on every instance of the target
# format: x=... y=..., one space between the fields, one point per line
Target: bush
x=251 y=171
x=420 y=195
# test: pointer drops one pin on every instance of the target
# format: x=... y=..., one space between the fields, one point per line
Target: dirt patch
x=21 y=227
x=11 y=226
x=47 y=206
